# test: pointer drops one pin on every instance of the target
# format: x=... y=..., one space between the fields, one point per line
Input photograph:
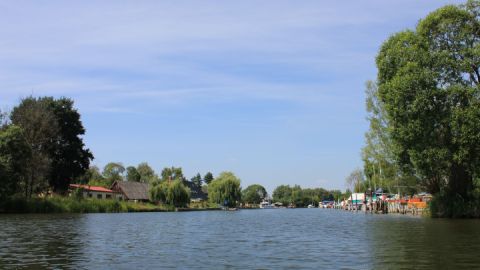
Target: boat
x=311 y=206
x=266 y=205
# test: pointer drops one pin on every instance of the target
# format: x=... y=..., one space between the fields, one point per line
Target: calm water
x=247 y=239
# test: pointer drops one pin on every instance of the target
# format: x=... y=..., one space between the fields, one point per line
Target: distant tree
x=40 y=129
x=147 y=174
x=171 y=193
x=197 y=180
x=172 y=173
x=380 y=167
x=14 y=156
x=93 y=174
x=254 y=194
x=208 y=178
x=356 y=181
x=4 y=119
x=132 y=174
x=113 y=171
x=282 y=194
x=225 y=190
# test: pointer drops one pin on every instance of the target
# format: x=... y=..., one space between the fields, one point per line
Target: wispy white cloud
x=153 y=57
x=152 y=48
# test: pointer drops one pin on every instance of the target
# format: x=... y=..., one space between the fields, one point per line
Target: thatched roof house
x=132 y=191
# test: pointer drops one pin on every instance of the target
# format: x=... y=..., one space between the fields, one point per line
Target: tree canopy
x=147 y=174
x=225 y=190
x=254 y=194
x=113 y=171
x=14 y=156
x=172 y=173
x=428 y=81
x=54 y=131
x=197 y=180
x=171 y=193
x=132 y=174
x=208 y=178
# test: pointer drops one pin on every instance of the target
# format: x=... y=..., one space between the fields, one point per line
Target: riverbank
x=59 y=204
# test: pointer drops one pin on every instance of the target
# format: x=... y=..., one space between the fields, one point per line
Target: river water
x=245 y=239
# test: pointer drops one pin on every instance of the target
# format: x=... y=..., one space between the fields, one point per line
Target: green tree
x=93 y=177
x=147 y=174
x=282 y=194
x=356 y=181
x=428 y=80
x=14 y=156
x=171 y=193
x=225 y=190
x=197 y=180
x=113 y=171
x=69 y=157
x=172 y=174
x=53 y=129
x=40 y=129
x=208 y=178
x=132 y=174
x=254 y=194
x=3 y=119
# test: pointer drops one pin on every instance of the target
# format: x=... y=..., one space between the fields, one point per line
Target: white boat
x=266 y=205
x=311 y=206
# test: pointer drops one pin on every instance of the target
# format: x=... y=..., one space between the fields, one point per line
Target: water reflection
x=267 y=239
x=39 y=241
x=407 y=242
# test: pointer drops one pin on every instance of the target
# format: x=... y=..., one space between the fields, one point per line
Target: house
x=132 y=191
x=196 y=192
x=96 y=192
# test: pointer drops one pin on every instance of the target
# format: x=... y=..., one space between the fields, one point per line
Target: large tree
x=225 y=190
x=428 y=80
x=254 y=194
x=54 y=131
x=40 y=129
x=14 y=156
x=69 y=156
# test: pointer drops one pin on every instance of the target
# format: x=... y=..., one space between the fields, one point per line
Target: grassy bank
x=75 y=205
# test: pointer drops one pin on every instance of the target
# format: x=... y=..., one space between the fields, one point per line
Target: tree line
x=298 y=197
x=42 y=152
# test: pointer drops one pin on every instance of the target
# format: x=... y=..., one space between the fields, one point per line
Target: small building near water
x=96 y=192
x=132 y=191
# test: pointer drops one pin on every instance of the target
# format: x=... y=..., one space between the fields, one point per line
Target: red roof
x=91 y=188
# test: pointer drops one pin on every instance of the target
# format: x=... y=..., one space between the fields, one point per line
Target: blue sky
x=271 y=90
